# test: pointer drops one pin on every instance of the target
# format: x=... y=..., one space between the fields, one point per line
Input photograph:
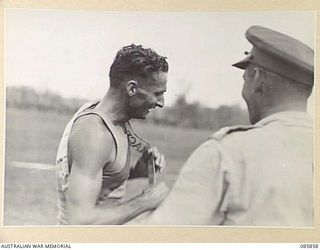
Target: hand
x=159 y=159
x=154 y=195
x=141 y=167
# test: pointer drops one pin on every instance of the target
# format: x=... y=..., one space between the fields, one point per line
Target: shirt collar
x=288 y=118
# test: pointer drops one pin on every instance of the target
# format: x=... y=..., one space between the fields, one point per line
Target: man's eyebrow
x=160 y=92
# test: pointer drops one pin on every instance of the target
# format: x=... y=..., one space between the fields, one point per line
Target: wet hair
x=136 y=61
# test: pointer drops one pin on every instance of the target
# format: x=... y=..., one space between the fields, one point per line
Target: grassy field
x=33 y=136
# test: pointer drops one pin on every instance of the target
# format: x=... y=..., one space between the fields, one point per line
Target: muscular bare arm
x=91 y=146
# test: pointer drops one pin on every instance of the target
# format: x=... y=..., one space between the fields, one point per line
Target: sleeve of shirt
x=197 y=198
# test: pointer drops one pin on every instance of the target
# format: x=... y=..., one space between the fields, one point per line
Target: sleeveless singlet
x=115 y=175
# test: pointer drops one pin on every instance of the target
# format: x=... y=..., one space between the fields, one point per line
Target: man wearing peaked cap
x=279 y=54
x=261 y=174
x=280 y=64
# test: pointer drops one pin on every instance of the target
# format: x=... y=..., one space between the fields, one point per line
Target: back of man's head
x=282 y=88
x=134 y=61
x=280 y=71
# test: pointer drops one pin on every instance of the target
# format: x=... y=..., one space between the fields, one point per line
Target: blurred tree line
x=29 y=98
x=195 y=115
x=182 y=113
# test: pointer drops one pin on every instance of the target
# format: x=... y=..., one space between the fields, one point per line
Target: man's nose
x=160 y=102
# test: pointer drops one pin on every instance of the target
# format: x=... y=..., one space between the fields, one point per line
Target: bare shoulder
x=90 y=142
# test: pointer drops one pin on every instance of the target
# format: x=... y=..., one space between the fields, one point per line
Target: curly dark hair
x=136 y=61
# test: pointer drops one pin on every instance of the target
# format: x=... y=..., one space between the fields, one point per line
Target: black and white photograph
x=159 y=118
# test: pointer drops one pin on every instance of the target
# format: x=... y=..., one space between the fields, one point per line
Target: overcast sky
x=70 y=52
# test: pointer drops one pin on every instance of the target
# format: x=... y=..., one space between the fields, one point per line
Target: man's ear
x=132 y=86
x=258 y=82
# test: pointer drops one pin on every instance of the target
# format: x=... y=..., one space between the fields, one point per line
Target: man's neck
x=114 y=106
x=300 y=107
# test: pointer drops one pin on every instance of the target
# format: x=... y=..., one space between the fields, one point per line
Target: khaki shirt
x=259 y=175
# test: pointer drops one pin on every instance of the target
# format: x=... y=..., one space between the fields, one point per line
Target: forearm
x=116 y=214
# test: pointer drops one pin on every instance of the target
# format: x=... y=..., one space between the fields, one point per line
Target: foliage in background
x=29 y=98
x=182 y=113
x=195 y=115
